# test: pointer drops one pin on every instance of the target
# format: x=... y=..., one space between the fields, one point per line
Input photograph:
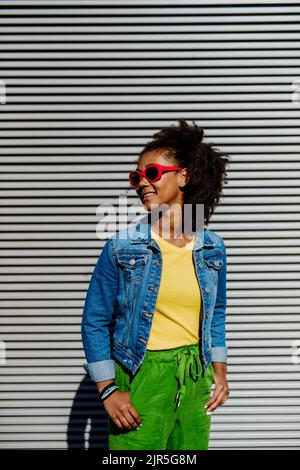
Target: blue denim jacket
x=122 y=293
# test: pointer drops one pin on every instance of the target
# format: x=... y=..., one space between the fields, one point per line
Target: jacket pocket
x=214 y=262
x=213 y=259
x=132 y=265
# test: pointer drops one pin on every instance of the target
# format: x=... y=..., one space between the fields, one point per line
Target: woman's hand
x=121 y=410
x=221 y=392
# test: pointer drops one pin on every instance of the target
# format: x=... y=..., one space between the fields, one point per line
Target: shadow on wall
x=88 y=422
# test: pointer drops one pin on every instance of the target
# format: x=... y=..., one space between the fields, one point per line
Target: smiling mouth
x=149 y=196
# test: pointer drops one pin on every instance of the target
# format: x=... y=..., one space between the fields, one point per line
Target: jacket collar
x=140 y=233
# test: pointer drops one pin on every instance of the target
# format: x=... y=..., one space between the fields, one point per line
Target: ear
x=185 y=177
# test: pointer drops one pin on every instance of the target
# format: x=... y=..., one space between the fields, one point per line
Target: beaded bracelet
x=107 y=391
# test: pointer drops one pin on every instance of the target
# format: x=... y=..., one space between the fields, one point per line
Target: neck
x=169 y=226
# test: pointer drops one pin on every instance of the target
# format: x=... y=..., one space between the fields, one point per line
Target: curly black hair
x=206 y=165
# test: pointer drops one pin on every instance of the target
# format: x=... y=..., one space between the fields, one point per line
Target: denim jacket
x=122 y=293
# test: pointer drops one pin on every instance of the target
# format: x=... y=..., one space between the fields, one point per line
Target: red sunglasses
x=152 y=173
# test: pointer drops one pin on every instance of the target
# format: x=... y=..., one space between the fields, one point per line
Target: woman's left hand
x=221 y=392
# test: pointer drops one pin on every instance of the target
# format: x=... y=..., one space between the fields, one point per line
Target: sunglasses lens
x=134 y=178
x=152 y=173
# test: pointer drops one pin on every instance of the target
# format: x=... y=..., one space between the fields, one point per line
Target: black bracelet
x=107 y=390
x=109 y=393
x=106 y=387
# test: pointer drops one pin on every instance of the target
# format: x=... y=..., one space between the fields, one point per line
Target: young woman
x=153 y=326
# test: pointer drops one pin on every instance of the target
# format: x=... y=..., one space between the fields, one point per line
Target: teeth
x=145 y=196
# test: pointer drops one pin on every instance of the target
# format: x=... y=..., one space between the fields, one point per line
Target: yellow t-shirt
x=177 y=313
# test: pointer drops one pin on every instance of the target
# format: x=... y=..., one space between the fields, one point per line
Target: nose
x=144 y=182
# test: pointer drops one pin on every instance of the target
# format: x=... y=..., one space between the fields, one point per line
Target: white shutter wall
x=87 y=84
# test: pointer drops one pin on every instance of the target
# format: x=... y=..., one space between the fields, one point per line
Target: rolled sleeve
x=101 y=370
x=219 y=354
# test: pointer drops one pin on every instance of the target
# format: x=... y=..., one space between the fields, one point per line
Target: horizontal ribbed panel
x=87 y=84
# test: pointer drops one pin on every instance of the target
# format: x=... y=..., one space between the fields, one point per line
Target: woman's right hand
x=121 y=410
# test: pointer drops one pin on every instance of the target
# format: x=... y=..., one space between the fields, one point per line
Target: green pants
x=169 y=392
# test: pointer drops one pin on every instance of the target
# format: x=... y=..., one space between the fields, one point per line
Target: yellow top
x=177 y=313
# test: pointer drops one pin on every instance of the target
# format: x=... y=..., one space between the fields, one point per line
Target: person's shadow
x=88 y=421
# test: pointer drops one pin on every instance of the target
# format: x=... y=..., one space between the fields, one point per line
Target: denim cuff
x=101 y=370
x=219 y=354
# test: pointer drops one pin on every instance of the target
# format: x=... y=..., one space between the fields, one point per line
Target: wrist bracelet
x=108 y=390
x=109 y=393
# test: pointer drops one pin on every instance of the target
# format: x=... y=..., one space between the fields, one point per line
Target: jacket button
x=207 y=289
x=132 y=261
x=216 y=263
x=200 y=265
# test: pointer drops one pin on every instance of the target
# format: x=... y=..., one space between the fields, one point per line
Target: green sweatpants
x=169 y=392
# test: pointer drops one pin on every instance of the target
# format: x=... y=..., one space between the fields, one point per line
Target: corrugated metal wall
x=88 y=83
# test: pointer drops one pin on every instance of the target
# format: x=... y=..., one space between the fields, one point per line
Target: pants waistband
x=188 y=362
x=168 y=355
